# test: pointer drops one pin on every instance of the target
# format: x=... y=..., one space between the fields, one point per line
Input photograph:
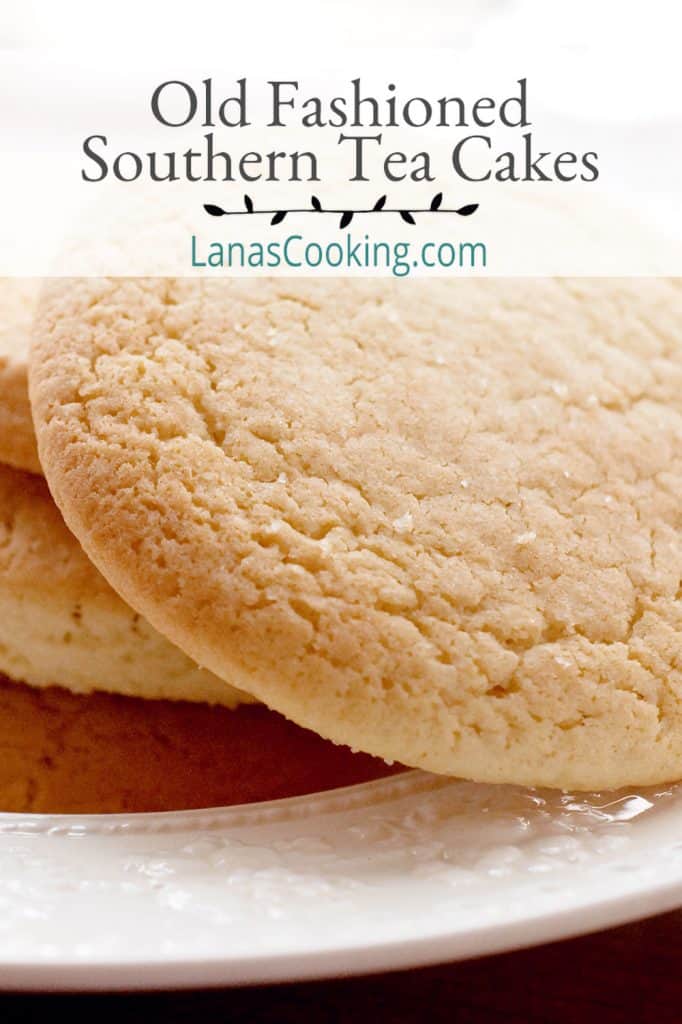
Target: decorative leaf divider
x=277 y=216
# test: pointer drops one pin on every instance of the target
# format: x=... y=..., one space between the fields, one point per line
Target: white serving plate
x=408 y=870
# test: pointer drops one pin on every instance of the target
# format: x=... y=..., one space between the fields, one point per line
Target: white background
x=602 y=74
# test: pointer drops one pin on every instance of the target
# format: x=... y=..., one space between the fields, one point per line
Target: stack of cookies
x=437 y=522
x=69 y=742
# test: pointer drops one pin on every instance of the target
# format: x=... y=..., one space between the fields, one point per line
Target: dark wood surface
x=627 y=975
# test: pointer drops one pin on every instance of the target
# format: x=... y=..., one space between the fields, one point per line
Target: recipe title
x=364 y=126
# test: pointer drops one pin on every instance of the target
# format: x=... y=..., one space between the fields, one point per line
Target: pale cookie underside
x=439 y=520
x=17 y=438
x=60 y=622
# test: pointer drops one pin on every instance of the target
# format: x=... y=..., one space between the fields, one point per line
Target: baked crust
x=436 y=520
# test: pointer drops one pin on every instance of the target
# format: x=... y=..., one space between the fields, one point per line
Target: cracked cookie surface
x=438 y=521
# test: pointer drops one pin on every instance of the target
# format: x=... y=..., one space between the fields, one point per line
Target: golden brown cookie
x=62 y=753
x=62 y=624
x=437 y=520
x=17 y=439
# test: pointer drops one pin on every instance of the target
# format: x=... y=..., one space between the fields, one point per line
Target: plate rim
x=440 y=942
x=346 y=961
x=349 y=960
